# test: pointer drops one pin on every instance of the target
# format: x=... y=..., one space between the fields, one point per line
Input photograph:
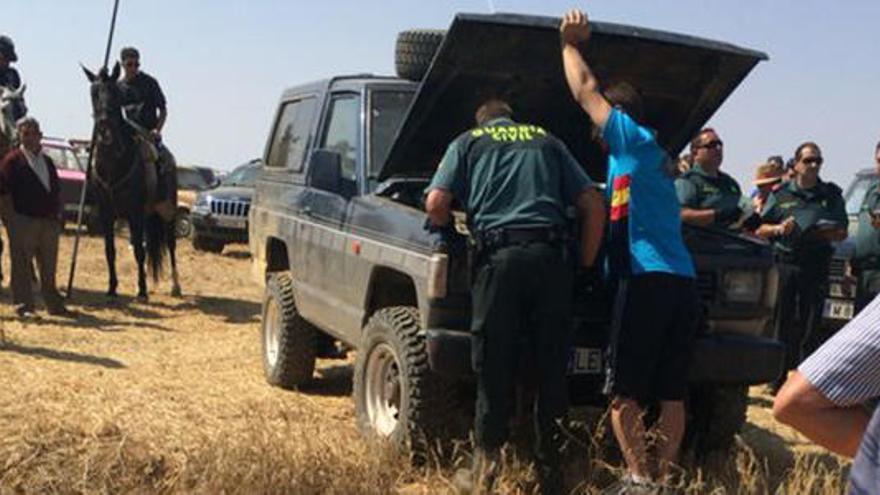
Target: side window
x=341 y=134
x=290 y=141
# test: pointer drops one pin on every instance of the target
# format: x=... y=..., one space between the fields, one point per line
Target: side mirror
x=325 y=170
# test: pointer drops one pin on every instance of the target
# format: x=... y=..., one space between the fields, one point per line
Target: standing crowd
x=516 y=193
x=30 y=193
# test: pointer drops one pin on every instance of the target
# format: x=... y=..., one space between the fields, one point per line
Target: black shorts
x=652 y=335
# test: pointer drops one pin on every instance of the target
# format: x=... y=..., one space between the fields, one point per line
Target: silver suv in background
x=220 y=215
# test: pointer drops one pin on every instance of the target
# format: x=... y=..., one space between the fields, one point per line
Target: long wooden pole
x=82 y=196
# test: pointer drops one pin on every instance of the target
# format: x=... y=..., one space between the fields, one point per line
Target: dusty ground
x=169 y=395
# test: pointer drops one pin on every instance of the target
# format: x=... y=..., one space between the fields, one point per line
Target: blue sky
x=223 y=64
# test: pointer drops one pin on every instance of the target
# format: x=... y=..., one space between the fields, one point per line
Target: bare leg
x=837 y=428
x=626 y=420
x=670 y=430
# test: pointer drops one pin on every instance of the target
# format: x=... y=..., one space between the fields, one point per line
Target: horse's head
x=106 y=103
x=9 y=98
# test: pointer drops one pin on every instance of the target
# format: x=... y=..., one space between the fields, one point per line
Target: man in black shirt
x=141 y=95
x=145 y=107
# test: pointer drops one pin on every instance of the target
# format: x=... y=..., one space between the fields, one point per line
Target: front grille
x=707 y=286
x=230 y=208
x=837 y=267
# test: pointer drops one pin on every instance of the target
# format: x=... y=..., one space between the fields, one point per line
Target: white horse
x=9 y=100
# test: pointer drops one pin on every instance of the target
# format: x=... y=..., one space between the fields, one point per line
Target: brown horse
x=119 y=182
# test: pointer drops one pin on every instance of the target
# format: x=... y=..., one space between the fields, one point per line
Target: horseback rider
x=146 y=111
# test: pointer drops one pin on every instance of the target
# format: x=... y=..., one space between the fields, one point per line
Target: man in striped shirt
x=830 y=398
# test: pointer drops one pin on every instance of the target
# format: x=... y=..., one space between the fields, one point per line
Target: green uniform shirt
x=867 y=237
x=511 y=175
x=698 y=190
x=810 y=208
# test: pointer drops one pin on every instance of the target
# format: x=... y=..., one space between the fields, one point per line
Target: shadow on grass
x=760 y=402
x=231 y=310
x=238 y=254
x=779 y=453
x=74 y=357
x=332 y=381
x=126 y=304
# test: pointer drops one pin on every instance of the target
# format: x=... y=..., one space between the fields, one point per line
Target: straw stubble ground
x=169 y=396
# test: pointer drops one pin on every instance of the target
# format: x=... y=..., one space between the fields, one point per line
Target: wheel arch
x=389 y=287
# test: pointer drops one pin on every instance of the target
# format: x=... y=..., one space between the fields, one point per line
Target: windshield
x=856 y=193
x=191 y=180
x=387 y=110
x=63 y=158
x=245 y=175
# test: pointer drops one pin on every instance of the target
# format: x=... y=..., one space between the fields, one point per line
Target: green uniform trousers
x=520 y=292
x=802 y=299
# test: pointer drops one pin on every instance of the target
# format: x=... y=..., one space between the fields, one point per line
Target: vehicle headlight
x=743 y=286
x=203 y=202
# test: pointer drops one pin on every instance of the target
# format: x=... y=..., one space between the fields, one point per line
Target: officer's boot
x=479 y=478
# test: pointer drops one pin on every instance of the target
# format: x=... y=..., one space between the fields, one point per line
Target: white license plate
x=585 y=361
x=838 y=310
x=232 y=222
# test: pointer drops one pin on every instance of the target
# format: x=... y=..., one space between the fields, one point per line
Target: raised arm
x=575 y=30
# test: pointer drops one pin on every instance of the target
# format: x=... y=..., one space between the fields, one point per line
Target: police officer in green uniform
x=866 y=262
x=708 y=196
x=804 y=216
x=516 y=182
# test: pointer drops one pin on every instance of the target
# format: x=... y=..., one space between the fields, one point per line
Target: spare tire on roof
x=415 y=50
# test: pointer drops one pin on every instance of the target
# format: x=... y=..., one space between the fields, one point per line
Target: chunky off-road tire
x=183 y=226
x=415 y=51
x=289 y=342
x=715 y=416
x=206 y=244
x=396 y=395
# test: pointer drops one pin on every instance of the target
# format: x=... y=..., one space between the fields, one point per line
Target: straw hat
x=768 y=173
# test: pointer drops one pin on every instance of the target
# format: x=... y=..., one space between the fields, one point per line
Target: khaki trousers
x=34 y=238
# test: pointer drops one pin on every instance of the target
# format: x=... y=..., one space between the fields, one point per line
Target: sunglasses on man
x=716 y=144
x=812 y=160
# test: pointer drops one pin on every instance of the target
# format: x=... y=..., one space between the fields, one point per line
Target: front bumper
x=220 y=227
x=717 y=359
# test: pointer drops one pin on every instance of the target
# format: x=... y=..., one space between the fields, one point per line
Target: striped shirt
x=846 y=369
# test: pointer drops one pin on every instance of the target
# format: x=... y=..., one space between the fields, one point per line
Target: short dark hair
x=627 y=97
x=800 y=149
x=492 y=108
x=877 y=148
x=777 y=159
x=129 y=52
x=695 y=141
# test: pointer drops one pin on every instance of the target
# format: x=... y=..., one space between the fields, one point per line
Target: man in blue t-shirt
x=655 y=318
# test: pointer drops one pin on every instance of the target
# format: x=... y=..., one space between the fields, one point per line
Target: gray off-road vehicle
x=336 y=226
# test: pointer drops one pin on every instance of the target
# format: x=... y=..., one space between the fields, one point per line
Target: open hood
x=683 y=81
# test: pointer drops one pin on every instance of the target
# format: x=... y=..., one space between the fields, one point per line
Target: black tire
x=206 y=244
x=715 y=416
x=393 y=361
x=183 y=226
x=289 y=343
x=415 y=50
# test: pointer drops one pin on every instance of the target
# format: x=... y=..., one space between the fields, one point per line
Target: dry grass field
x=168 y=396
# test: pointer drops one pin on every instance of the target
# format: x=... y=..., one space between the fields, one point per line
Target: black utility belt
x=503 y=237
x=868 y=263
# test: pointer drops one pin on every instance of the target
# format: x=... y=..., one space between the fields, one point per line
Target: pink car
x=71 y=163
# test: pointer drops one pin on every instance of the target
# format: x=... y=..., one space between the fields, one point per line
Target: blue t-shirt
x=645 y=214
x=864 y=478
